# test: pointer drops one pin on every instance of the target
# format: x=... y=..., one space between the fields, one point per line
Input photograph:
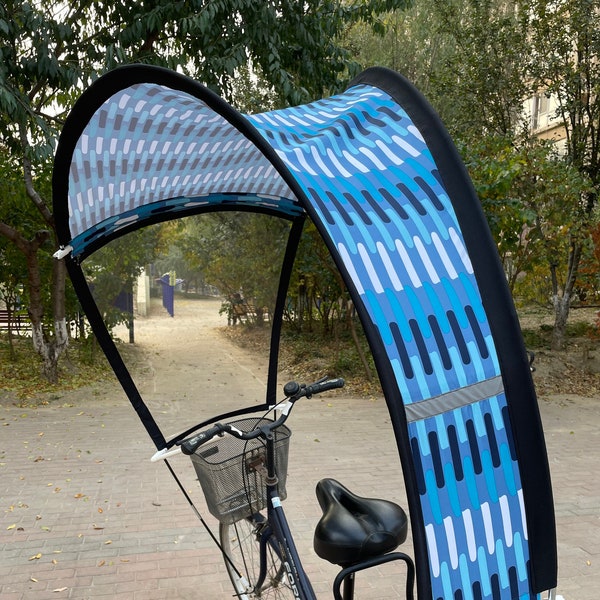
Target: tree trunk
x=49 y=349
x=562 y=302
x=562 y=305
x=359 y=350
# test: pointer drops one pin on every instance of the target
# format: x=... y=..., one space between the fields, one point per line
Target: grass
x=21 y=377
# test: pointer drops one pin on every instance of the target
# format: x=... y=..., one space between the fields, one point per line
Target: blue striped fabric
x=372 y=183
x=366 y=169
x=149 y=149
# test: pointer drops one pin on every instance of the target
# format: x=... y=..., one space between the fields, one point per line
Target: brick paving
x=84 y=514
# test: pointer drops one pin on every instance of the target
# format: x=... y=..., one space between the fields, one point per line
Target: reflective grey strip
x=456 y=399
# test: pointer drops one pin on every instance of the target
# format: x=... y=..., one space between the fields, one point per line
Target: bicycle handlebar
x=293 y=392
x=320 y=386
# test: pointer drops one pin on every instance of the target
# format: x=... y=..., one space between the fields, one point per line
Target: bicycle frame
x=280 y=530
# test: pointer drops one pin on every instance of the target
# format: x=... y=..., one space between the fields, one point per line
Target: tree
x=502 y=53
x=239 y=253
x=112 y=270
x=410 y=41
x=482 y=84
x=530 y=196
x=51 y=51
x=565 y=46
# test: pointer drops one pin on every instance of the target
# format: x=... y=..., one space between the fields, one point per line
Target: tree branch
x=28 y=179
x=14 y=236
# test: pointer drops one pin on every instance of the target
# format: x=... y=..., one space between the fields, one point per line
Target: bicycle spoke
x=241 y=542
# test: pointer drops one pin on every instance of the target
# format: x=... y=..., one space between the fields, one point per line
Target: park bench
x=241 y=310
x=17 y=321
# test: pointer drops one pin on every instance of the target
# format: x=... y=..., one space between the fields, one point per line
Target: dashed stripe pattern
x=150 y=149
x=367 y=170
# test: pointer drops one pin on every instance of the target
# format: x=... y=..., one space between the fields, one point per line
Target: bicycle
x=242 y=469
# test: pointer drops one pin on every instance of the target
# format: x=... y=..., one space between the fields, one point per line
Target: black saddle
x=354 y=529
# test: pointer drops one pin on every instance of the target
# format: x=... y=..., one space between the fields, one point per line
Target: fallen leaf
x=108 y=542
x=33 y=579
x=36 y=556
x=13 y=526
x=100 y=509
x=62 y=589
x=101 y=563
x=54 y=561
x=78 y=495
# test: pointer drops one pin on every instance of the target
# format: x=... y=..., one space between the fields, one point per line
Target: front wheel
x=241 y=542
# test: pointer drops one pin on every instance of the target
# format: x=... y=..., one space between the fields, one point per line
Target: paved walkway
x=84 y=514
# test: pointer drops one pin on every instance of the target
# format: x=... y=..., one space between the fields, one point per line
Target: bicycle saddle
x=353 y=529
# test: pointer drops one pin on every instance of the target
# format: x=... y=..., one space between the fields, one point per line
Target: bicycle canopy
x=379 y=176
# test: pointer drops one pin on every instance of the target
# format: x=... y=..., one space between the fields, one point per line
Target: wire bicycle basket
x=226 y=469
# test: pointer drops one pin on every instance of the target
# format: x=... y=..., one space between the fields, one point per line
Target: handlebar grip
x=323 y=386
x=190 y=446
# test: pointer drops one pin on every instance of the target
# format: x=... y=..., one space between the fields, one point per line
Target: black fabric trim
x=284 y=282
x=112 y=354
x=504 y=323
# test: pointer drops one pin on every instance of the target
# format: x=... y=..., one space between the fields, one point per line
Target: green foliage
x=531 y=198
x=564 y=62
x=236 y=252
x=478 y=80
x=113 y=269
x=317 y=294
x=18 y=212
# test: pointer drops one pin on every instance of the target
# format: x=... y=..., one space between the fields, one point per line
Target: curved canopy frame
x=376 y=171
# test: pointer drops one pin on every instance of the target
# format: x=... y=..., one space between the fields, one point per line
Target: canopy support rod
x=284 y=282
x=112 y=354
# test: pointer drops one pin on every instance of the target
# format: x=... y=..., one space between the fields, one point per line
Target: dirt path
x=185 y=368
